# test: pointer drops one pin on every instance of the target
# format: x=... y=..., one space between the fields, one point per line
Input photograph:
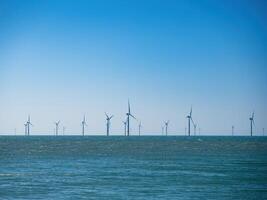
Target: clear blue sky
x=63 y=59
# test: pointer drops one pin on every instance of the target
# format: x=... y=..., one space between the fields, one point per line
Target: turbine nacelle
x=109 y=117
x=29 y=121
x=130 y=115
x=84 y=122
x=167 y=123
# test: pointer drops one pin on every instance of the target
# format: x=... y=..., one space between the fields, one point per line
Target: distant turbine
x=57 y=124
x=125 y=124
x=189 y=117
x=26 y=128
x=251 y=123
x=128 y=114
x=139 y=128
x=83 y=125
x=162 y=130
x=108 y=122
x=195 y=129
x=233 y=129
x=166 y=127
x=28 y=124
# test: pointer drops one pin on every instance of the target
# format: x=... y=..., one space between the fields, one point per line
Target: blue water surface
x=91 y=167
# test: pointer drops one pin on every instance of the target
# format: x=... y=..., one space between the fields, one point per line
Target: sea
x=145 y=167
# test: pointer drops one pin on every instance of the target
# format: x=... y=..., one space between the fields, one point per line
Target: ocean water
x=72 y=167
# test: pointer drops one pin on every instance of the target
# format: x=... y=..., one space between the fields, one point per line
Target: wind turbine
x=108 y=122
x=189 y=117
x=125 y=124
x=233 y=128
x=139 y=128
x=25 y=125
x=129 y=114
x=83 y=125
x=195 y=129
x=57 y=124
x=251 y=123
x=28 y=124
x=166 y=127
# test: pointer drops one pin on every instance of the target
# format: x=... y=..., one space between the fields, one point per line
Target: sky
x=60 y=60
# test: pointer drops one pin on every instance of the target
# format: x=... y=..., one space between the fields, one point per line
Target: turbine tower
x=166 y=127
x=25 y=125
x=28 y=124
x=83 y=125
x=233 y=129
x=189 y=117
x=57 y=124
x=139 y=128
x=195 y=129
x=128 y=114
x=125 y=125
x=251 y=123
x=108 y=122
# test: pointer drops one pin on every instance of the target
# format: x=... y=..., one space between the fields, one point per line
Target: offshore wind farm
x=126 y=126
x=143 y=100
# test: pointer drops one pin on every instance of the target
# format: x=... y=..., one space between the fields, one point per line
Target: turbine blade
x=192 y=121
x=133 y=116
x=106 y=114
x=129 y=108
